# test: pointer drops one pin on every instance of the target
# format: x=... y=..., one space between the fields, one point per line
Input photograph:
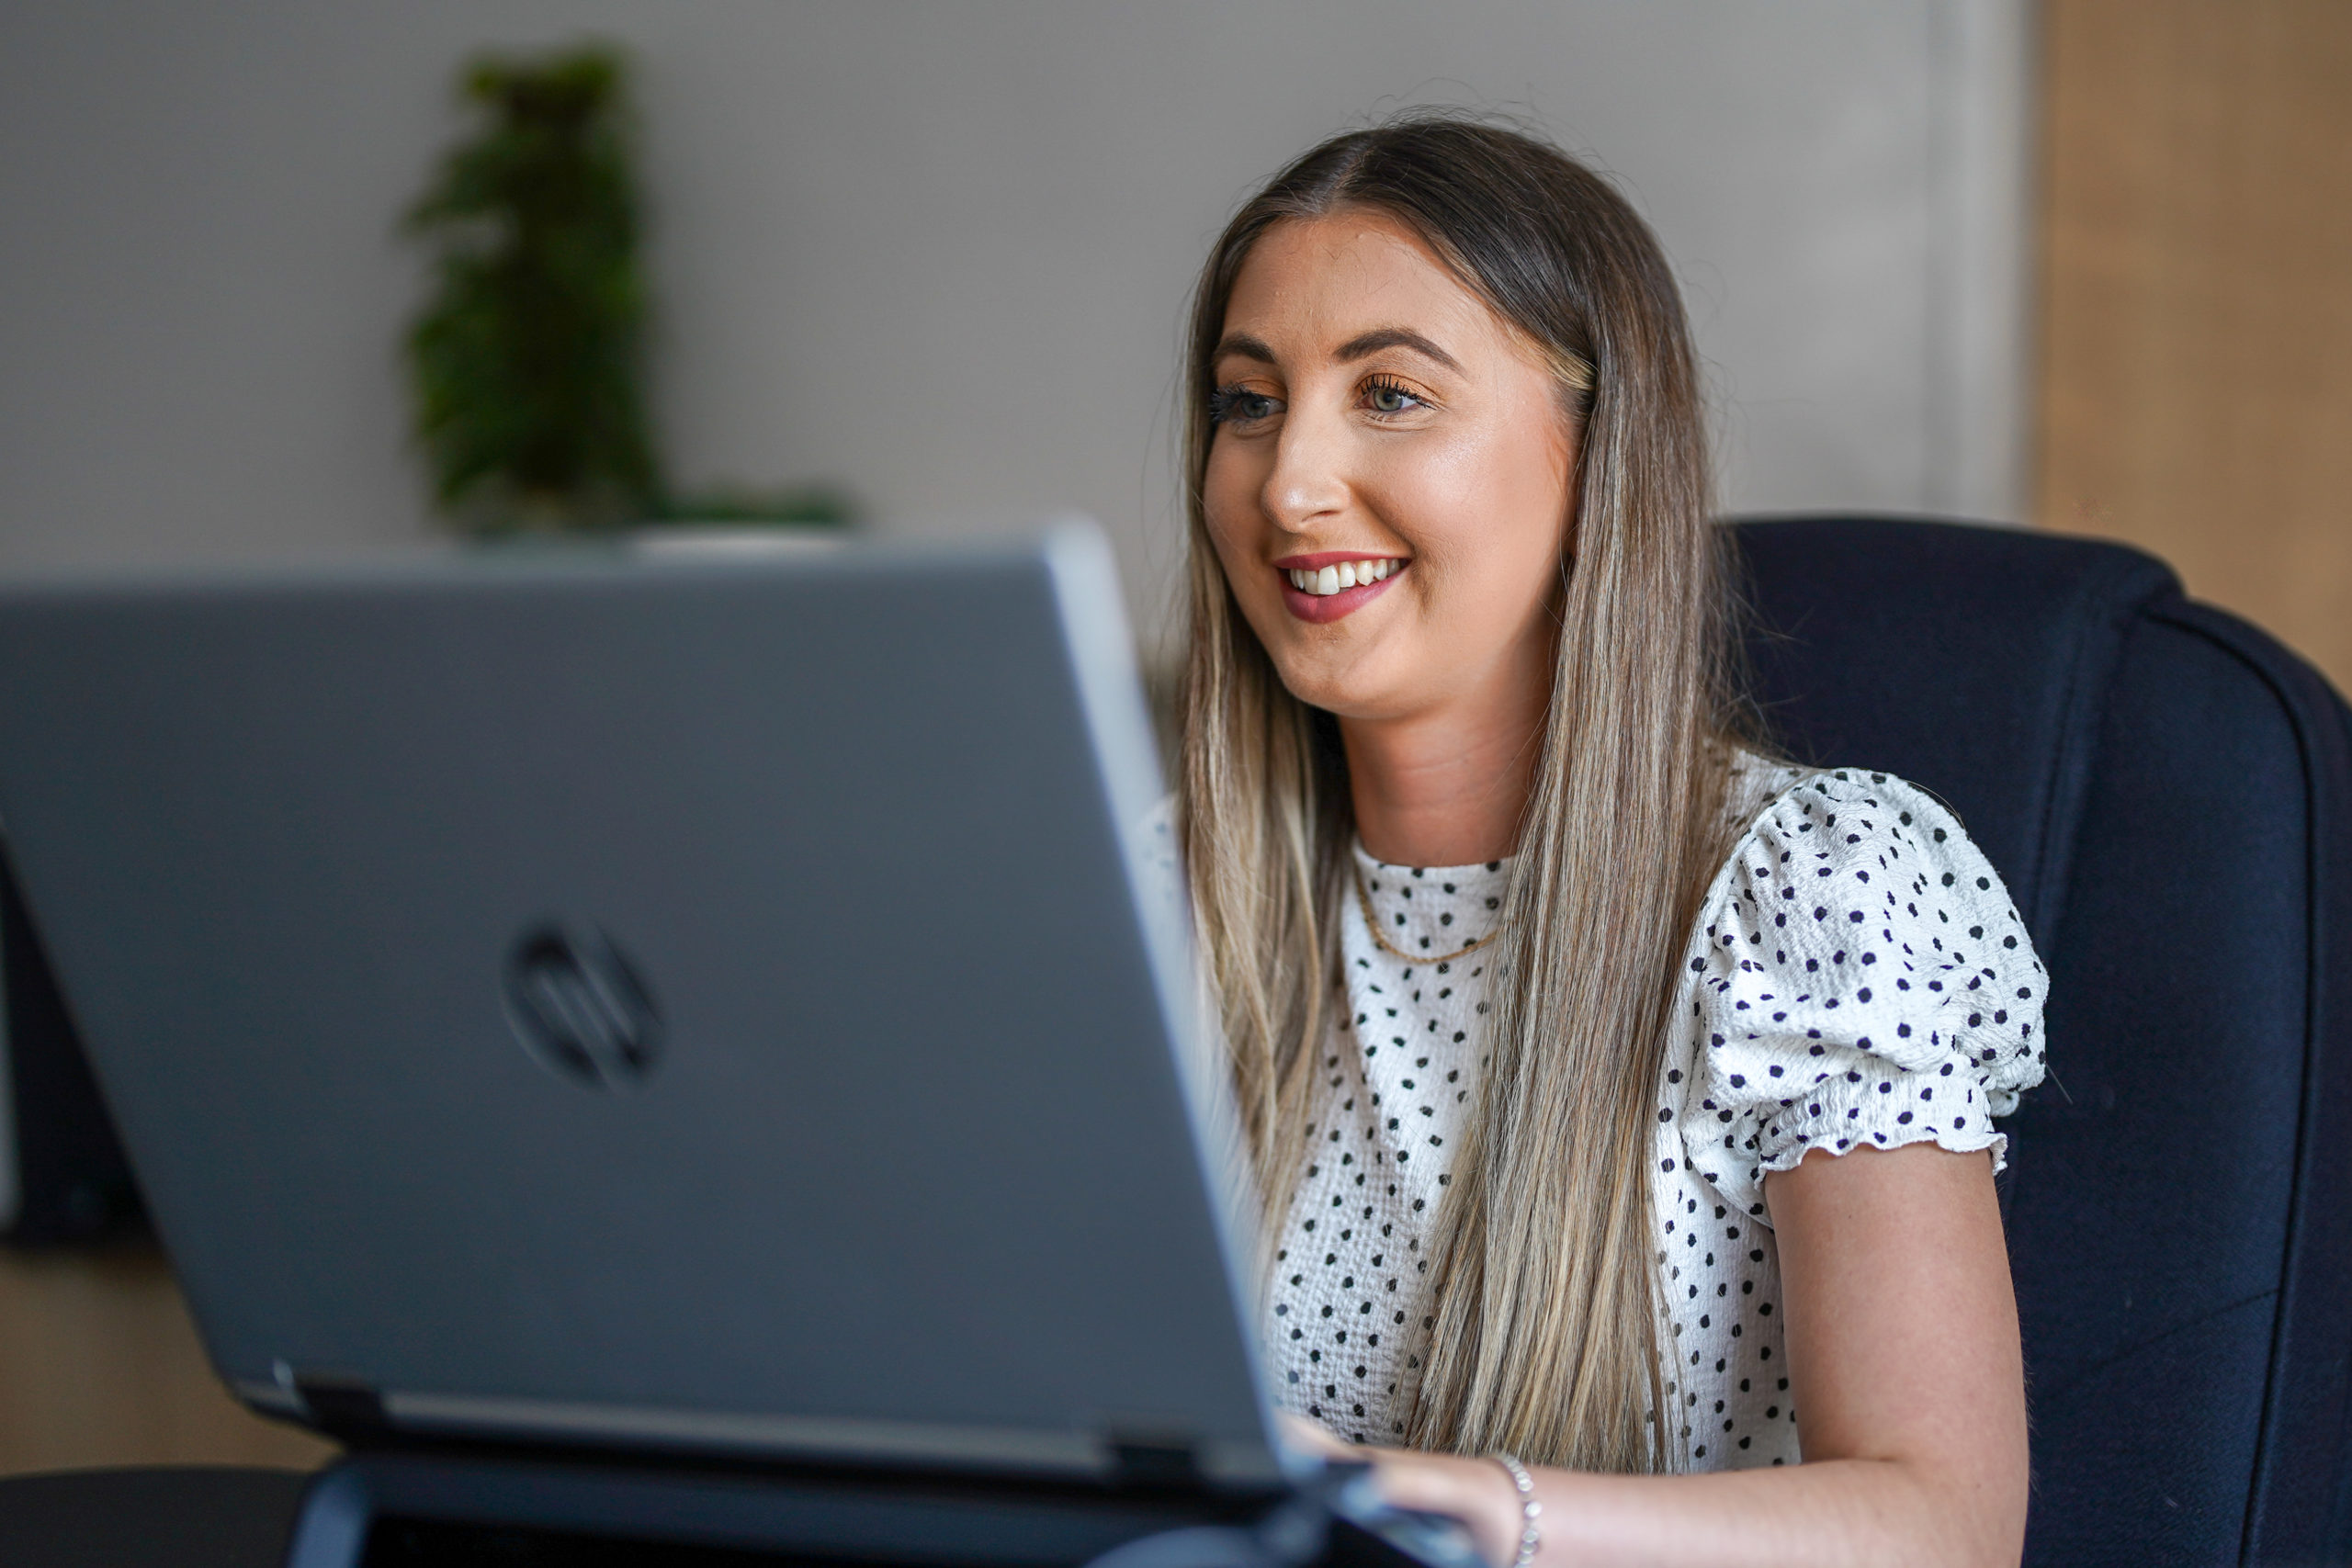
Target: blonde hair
x=1544 y=1337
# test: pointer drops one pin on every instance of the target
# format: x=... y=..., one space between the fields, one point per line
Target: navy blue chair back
x=2168 y=794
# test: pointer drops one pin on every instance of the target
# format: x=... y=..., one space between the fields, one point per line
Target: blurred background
x=2081 y=265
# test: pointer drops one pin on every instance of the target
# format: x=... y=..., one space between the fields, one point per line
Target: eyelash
x=1223 y=400
x=1389 y=384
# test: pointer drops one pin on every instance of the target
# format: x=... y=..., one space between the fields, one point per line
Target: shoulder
x=1841 y=881
x=1856 y=975
x=1845 y=847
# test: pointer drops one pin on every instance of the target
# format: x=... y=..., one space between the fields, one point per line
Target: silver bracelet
x=1530 y=1510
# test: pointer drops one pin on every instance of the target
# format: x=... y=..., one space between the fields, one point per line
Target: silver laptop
x=720 y=1006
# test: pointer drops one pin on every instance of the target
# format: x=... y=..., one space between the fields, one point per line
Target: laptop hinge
x=1157 y=1462
x=344 y=1407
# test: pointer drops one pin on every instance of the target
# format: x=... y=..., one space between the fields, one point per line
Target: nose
x=1308 y=480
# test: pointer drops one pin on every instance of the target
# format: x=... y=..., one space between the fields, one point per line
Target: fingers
x=1312 y=1436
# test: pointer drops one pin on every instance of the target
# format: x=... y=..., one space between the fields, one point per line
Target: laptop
x=721 y=1008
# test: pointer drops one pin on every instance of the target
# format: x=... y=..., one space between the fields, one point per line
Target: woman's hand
x=1474 y=1490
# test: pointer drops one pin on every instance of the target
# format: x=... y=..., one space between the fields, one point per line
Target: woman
x=1620 y=1097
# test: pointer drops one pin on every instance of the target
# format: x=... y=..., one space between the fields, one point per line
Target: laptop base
x=408 y=1509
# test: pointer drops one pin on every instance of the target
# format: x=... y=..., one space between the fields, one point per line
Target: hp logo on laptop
x=579 y=1008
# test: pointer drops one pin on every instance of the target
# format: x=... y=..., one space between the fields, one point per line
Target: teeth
x=1337 y=579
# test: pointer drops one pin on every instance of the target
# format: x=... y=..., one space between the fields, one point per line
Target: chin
x=1327 y=667
x=1346 y=692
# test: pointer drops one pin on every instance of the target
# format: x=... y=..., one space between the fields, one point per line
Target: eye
x=1240 y=405
x=1385 y=396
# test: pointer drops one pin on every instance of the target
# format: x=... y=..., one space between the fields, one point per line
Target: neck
x=1447 y=787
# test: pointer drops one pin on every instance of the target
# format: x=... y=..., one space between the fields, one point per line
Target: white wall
x=938 y=251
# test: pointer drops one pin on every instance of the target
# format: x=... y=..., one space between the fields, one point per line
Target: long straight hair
x=1544 y=1337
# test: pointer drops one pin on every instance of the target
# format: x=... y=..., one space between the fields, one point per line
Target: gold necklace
x=1372 y=924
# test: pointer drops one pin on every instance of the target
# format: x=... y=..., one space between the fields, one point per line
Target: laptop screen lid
x=730 y=1006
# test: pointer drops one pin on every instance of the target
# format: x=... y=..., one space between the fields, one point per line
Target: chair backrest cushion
x=2166 y=792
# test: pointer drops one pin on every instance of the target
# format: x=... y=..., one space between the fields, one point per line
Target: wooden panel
x=100 y=1365
x=2196 y=374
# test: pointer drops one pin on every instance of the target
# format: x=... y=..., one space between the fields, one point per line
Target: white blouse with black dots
x=1857 y=976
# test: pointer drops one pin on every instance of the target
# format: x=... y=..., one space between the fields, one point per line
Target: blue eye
x=1238 y=405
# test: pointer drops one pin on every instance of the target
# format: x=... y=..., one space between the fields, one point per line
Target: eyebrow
x=1361 y=346
x=1372 y=343
x=1245 y=345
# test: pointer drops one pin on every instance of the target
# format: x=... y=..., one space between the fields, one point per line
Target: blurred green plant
x=528 y=363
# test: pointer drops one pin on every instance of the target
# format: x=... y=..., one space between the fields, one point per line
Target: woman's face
x=1389 y=484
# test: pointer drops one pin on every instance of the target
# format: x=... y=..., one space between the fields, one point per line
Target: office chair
x=2168 y=794
x=63 y=1178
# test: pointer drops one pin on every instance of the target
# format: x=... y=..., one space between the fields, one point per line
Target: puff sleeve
x=1858 y=978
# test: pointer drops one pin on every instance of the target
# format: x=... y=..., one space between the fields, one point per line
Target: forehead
x=1310 y=284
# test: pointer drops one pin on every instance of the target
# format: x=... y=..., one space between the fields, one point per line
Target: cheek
x=1229 y=508
x=1230 y=491
x=1230 y=513
x=1487 y=512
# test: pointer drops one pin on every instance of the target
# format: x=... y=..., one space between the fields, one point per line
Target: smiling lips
x=1325 y=587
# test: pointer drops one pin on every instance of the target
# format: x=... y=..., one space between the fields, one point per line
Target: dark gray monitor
x=729 y=1005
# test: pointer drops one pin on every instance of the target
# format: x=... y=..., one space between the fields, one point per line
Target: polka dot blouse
x=1857 y=976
